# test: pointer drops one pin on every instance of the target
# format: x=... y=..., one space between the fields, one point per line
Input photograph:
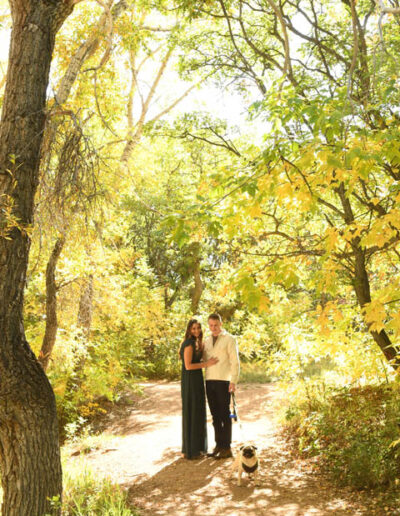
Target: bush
x=254 y=372
x=354 y=431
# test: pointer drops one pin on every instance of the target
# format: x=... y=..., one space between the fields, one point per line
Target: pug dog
x=246 y=461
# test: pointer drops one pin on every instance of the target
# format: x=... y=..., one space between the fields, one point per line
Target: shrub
x=254 y=372
x=354 y=431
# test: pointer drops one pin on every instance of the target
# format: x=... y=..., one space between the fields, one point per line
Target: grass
x=86 y=494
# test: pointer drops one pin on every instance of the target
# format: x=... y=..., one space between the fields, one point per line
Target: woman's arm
x=187 y=357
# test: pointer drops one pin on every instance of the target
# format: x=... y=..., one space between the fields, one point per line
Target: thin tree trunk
x=194 y=267
x=85 y=310
x=85 y=51
x=50 y=333
x=135 y=132
x=363 y=294
x=361 y=284
x=198 y=286
x=135 y=129
x=30 y=467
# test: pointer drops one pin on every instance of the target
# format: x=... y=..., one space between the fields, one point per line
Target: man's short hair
x=215 y=317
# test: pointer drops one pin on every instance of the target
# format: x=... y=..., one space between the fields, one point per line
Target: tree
x=75 y=151
x=50 y=334
x=29 y=449
x=324 y=187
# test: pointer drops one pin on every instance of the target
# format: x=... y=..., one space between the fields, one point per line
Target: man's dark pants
x=218 y=397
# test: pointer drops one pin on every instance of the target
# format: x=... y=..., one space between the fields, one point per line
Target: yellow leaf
x=255 y=210
x=264 y=304
x=332 y=237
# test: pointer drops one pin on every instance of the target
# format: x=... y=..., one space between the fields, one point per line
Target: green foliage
x=254 y=372
x=354 y=432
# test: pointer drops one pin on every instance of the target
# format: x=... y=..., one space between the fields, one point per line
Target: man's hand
x=232 y=387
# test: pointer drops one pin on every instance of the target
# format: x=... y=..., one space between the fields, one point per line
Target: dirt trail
x=142 y=453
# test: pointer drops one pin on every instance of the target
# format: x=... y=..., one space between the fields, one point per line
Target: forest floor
x=140 y=450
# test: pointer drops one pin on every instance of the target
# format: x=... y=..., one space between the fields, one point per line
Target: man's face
x=215 y=326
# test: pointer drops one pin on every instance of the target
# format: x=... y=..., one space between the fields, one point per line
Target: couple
x=218 y=354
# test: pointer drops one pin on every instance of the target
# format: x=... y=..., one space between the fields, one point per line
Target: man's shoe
x=223 y=453
x=214 y=452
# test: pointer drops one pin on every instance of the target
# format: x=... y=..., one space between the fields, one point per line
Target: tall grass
x=88 y=494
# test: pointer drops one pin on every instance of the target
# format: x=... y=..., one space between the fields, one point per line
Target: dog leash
x=234 y=413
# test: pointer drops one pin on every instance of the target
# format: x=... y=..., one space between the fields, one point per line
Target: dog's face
x=248 y=451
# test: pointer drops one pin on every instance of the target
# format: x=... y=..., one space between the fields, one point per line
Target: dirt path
x=142 y=452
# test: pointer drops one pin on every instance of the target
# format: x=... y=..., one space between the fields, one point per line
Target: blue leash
x=233 y=415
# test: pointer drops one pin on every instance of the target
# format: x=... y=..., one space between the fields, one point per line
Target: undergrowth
x=354 y=433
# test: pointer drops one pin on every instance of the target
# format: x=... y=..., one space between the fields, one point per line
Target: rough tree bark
x=29 y=450
x=50 y=333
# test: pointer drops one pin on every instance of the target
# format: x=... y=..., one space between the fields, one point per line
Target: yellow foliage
x=332 y=238
x=394 y=324
x=284 y=193
x=255 y=210
x=375 y=314
x=264 y=304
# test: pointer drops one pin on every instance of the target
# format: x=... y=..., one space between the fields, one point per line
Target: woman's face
x=195 y=330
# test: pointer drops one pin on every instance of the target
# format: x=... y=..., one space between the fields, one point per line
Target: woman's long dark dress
x=194 y=427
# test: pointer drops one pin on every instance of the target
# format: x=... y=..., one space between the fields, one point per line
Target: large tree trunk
x=30 y=467
x=50 y=333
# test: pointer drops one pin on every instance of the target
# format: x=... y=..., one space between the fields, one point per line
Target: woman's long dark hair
x=188 y=333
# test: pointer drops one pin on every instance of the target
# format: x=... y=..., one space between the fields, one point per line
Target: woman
x=194 y=429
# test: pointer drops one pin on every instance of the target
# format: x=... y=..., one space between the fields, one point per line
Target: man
x=221 y=380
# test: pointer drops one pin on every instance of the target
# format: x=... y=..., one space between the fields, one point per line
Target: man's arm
x=234 y=363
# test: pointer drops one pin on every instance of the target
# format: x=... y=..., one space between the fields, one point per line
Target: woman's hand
x=212 y=361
